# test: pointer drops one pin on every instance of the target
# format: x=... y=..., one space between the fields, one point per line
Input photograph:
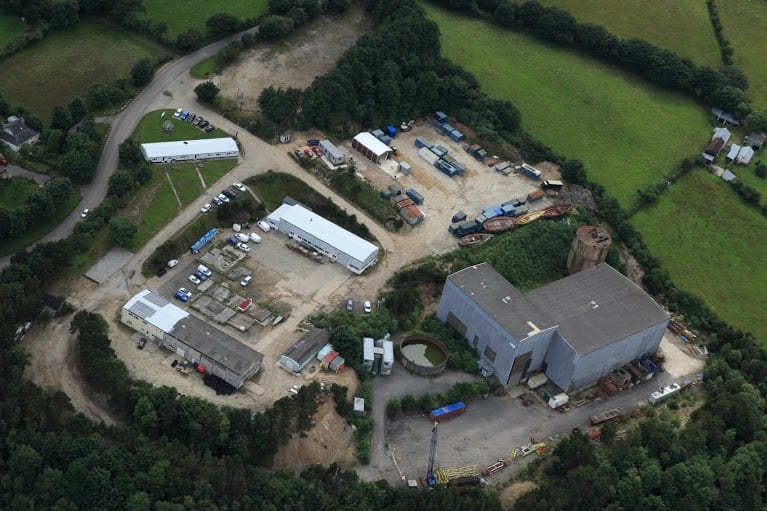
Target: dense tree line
x=724 y=88
x=39 y=206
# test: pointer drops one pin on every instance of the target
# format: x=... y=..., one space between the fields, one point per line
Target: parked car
x=194 y=280
x=197 y=121
x=161 y=271
x=312 y=142
x=172 y=263
x=184 y=115
x=209 y=128
x=350 y=305
x=233 y=242
x=255 y=238
x=244 y=247
x=228 y=193
x=174 y=363
x=142 y=343
x=244 y=282
x=217 y=201
x=293 y=389
x=239 y=186
x=317 y=152
x=299 y=154
x=204 y=270
x=200 y=275
x=205 y=208
x=4 y=161
x=85 y=213
x=191 y=117
x=222 y=197
x=241 y=236
x=203 y=125
x=263 y=225
x=367 y=307
x=308 y=152
x=183 y=294
x=177 y=113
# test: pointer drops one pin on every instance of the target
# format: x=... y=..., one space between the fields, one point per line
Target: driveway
x=14 y=170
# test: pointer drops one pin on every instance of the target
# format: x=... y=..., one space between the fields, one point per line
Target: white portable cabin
x=367 y=351
x=333 y=154
x=664 y=393
x=388 y=357
x=188 y=150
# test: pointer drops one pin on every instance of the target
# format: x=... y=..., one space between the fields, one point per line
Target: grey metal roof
x=590 y=309
x=217 y=345
x=308 y=345
x=16 y=131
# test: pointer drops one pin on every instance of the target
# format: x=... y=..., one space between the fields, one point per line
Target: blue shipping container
x=490 y=213
x=448 y=411
x=440 y=117
x=386 y=139
x=508 y=210
x=438 y=150
x=391 y=131
x=421 y=142
x=447 y=129
x=457 y=135
x=417 y=197
x=377 y=133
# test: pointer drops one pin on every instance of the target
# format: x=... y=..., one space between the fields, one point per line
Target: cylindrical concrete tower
x=589 y=248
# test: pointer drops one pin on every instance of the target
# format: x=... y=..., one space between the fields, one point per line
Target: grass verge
x=627 y=132
x=204 y=69
x=181 y=15
x=713 y=248
x=70 y=60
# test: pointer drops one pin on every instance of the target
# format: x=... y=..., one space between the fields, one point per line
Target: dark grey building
x=304 y=350
x=575 y=330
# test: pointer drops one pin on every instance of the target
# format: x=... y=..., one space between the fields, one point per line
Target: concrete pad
x=107 y=265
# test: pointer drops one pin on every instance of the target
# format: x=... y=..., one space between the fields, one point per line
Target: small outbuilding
x=331 y=152
x=744 y=155
x=304 y=350
x=370 y=147
x=756 y=140
x=189 y=150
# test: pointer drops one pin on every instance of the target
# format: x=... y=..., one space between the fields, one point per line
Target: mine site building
x=575 y=330
x=191 y=338
x=322 y=235
x=304 y=350
x=331 y=152
x=370 y=147
x=189 y=150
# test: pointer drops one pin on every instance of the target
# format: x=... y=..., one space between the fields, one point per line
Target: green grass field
x=745 y=25
x=713 y=247
x=14 y=192
x=150 y=129
x=39 y=230
x=10 y=27
x=627 y=132
x=67 y=62
x=682 y=26
x=181 y=15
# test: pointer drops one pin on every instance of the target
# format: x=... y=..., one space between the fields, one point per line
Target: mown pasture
x=628 y=132
x=713 y=246
x=181 y=15
x=682 y=26
x=10 y=27
x=745 y=25
x=68 y=61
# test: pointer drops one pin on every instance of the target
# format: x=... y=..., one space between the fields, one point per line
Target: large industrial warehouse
x=191 y=338
x=574 y=330
x=314 y=231
x=185 y=150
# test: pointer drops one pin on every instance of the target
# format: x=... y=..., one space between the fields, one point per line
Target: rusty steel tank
x=589 y=248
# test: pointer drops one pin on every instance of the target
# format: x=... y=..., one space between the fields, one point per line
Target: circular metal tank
x=589 y=248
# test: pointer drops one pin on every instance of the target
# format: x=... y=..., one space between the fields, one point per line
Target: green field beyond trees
x=627 y=132
x=713 y=246
x=181 y=15
x=682 y=26
x=67 y=62
x=745 y=25
x=10 y=27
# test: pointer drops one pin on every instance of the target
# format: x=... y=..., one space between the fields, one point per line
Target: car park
x=241 y=236
x=177 y=113
x=312 y=142
x=350 y=305
x=200 y=275
x=222 y=197
x=172 y=263
x=367 y=307
x=209 y=128
x=194 y=280
x=217 y=201
x=255 y=238
x=231 y=241
x=85 y=213
x=197 y=121
x=203 y=125
x=244 y=282
x=244 y=247
x=183 y=294
x=239 y=186
x=205 y=208
x=204 y=270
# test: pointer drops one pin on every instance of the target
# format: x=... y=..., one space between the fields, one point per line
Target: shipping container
x=460 y=216
x=481 y=155
x=391 y=131
x=519 y=211
x=501 y=167
x=439 y=151
x=394 y=190
x=426 y=154
x=459 y=166
x=448 y=411
x=530 y=171
x=519 y=201
x=535 y=196
x=447 y=129
x=404 y=167
x=377 y=133
x=457 y=135
x=508 y=210
x=552 y=184
x=385 y=194
x=413 y=194
x=446 y=168
x=386 y=139
x=422 y=142
x=440 y=117
x=467 y=227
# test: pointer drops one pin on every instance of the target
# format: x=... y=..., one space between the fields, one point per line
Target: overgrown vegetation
x=461 y=391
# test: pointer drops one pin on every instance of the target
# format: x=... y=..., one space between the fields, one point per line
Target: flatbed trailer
x=605 y=416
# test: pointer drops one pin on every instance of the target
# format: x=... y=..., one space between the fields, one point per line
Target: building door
x=519 y=368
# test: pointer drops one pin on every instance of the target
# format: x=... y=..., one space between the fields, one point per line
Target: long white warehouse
x=185 y=150
x=316 y=232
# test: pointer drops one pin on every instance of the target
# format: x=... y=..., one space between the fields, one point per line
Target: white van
x=255 y=238
x=204 y=270
x=263 y=225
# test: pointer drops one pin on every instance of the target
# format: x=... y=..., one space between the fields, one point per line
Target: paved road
x=123 y=125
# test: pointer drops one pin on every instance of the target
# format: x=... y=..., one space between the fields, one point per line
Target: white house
x=16 y=133
x=187 y=150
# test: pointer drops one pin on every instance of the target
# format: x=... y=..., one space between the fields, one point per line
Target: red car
x=308 y=153
x=3 y=161
x=317 y=151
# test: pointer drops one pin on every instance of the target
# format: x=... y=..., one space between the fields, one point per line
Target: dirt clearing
x=509 y=495
x=296 y=62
